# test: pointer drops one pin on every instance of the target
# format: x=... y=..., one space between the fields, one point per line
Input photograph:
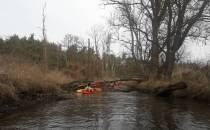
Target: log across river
x=111 y=111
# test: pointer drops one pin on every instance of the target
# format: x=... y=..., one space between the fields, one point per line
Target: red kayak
x=90 y=91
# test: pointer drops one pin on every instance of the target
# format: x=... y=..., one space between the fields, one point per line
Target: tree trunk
x=168 y=66
x=154 y=63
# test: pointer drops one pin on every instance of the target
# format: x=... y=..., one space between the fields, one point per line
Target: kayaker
x=117 y=85
x=88 y=87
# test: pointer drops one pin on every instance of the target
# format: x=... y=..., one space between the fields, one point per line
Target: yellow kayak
x=79 y=90
x=95 y=90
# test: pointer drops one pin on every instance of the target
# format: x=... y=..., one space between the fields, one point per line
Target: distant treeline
x=74 y=59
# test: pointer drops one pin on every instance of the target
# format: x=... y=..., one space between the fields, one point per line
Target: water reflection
x=112 y=111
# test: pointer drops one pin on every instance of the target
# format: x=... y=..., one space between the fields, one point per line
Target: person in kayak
x=115 y=85
x=88 y=87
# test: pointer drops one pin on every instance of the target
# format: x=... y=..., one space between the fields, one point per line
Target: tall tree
x=166 y=26
x=185 y=19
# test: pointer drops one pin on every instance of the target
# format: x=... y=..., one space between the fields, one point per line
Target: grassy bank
x=196 y=79
x=22 y=81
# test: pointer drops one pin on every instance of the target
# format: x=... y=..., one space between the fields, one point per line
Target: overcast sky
x=24 y=17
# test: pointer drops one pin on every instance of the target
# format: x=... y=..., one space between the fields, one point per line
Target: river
x=112 y=111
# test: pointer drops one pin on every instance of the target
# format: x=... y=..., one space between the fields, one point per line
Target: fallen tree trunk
x=72 y=86
x=139 y=80
x=167 y=91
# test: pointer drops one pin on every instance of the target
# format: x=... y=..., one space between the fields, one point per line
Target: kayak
x=90 y=91
x=79 y=90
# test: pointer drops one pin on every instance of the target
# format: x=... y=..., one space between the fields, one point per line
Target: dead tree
x=44 y=36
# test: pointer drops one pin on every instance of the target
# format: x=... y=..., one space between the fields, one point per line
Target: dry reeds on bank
x=20 y=79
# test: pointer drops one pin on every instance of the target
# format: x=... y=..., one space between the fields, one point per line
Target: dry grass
x=197 y=81
x=196 y=78
x=27 y=78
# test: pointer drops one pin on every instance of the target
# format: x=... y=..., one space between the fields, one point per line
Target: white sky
x=24 y=17
x=198 y=51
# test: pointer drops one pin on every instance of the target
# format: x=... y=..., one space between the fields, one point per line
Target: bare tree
x=165 y=25
x=106 y=43
x=185 y=18
x=44 y=35
x=96 y=33
x=133 y=26
x=134 y=19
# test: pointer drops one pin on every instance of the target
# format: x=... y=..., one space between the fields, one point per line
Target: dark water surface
x=112 y=111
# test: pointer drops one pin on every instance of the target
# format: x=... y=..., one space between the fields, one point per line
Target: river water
x=112 y=111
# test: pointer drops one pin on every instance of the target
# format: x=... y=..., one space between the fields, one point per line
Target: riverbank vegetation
x=22 y=80
x=188 y=81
